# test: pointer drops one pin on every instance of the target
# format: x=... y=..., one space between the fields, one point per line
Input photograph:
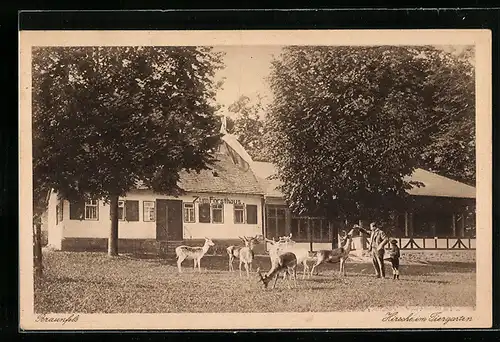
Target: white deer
x=286 y=244
x=273 y=250
x=194 y=253
x=287 y=263
x=340 y=254
x=245 y=254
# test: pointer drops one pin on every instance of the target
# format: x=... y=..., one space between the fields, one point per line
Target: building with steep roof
x=223 y=203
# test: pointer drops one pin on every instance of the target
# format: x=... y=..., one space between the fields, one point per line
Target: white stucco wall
x=147 y=230
x=100 y=228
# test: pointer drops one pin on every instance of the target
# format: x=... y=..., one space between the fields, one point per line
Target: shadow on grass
x=318 y=288
x=142 y=256
x=424 y=281
x=71 y=280
x=324 y=280
x=354 y=269
x=105 y=283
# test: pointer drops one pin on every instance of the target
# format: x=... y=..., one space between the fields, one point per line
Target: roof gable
x=223 y=177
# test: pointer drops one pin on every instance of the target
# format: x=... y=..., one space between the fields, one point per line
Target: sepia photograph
x=255 y=179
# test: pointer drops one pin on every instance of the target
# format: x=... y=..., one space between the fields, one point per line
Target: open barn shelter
x=440 y=215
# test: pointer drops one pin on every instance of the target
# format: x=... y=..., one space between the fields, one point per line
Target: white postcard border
x=481 y=317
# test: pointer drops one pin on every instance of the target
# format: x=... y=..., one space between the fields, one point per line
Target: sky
x=245 y=72
x=247 y=68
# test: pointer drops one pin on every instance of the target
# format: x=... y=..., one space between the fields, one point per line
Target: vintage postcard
x=194 y=180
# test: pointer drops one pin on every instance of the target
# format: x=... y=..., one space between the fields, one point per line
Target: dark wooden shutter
x=251 y=213
x=61 y=203
x=204 y=212
x=76 y=210
x=132 y=210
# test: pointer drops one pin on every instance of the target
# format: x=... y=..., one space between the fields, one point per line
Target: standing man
x=378 y=240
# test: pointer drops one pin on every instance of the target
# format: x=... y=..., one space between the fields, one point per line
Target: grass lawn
x=93 y=283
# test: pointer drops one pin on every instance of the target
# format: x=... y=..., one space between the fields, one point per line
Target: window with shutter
x=121 y=210
x=218 y=213
x=92 y=210
x=76 y=210
x=60 y=211
x=251 y=213
x=239 y=213
x=132 y=210
x=189 y=215
x=204 y=212
x=149 y=211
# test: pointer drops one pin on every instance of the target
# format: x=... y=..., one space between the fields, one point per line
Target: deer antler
x=272 y=242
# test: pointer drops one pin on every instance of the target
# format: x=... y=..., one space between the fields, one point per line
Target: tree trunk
x=113 y=232
x=37 y=236
x=37 y=251
x=309 y=231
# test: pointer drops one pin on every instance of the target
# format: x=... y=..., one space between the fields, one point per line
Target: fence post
x=330 y=233
x=407 y=232
x=310 y=234
x=37 y=245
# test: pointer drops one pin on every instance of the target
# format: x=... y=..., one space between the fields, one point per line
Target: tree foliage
x=452 y=146
x=248 y=126
x=106 y=118
x=347 y=124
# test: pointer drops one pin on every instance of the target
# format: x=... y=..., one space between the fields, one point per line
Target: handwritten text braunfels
x=433 y=317
x=63 y=320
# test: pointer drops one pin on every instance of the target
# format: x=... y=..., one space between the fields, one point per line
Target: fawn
x=245 y=254
x=286 y=262
x=194 y=253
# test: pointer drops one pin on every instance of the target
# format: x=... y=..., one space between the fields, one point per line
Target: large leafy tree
x=348 y=123
x=248 y=126
x=451 y=150
x=106 y=118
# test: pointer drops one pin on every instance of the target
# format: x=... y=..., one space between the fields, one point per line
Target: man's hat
x=395 y=242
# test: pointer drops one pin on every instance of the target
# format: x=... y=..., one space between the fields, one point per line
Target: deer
x=287 y=263
x=340 y=254
x=245 y=254
x=194 y=253
x=274 y=252
x=286 y=244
